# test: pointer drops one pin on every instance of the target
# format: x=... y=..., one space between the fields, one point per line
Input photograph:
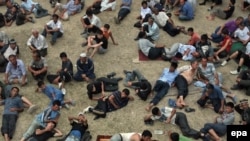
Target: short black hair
x=174 y=64
x=210 y=86
x=193 y=61
x=53 y=123
x=56 y=102
x=126 y=91
x=89 y=12
x=174 y=136
x=143 y=85
x=37 y=53
x=12 y=55
x=90 y=87
x=190 y=29
x=99 y=32
x=204 y=37
x=15 y=88
x=63 y=54
x=40 y=83
x=155 y=111
x=107 y=26
x=144 y=2
x=169 y=15
x=229 y=104
x=225 y=31
x=232 y=1
x=146 y=133
x=55 y=16
x=141 y=34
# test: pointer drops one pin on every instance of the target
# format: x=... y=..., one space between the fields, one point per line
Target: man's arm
x=111 y=100
x=58 y=133
x=148 y=117
x=171 y=116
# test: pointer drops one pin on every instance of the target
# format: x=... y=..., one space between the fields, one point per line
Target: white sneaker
x=63 y=91
x=224 y=63
x=66 y=106
x=60 y=85
x=87 y=109
x=234 y=72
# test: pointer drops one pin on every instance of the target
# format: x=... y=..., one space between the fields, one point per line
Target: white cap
x=83 y=55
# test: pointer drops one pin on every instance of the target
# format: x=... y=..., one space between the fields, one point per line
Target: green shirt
x=183 y=138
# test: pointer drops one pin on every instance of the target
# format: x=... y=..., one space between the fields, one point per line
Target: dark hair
x=204 y=57
x=15 y=88
x=143 y=85
x=107 y=26
x=155 y=111
x=169 y=15
x=225 y=31
x=144 y=2
x=89 y=12
x=99 y=32
x=229 y=104
x=56 y=102
x=12 y=55
x=141 y=34
x=63 y=54
x=174 y=136
x=210 y=86
x=146 y=133
x=37 y=53
x=126 y=91
x=90 y=87
x=190 y=29
x=232 y=1
x=55 y=16
x=174 y=64
x=204 y=37
x=193 y=61
x=40 y=83
x=55 y=124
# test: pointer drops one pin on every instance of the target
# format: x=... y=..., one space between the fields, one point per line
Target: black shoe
x=235 y=87
x=118 y=79
x=96 y=117
x=112 y=74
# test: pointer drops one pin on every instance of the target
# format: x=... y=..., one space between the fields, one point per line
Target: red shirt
x=227 y=38
x=194 y=38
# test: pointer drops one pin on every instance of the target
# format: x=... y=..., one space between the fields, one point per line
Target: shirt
x=118 y=100
x=94 y=20
x=165 y=114
x=183 y=48
x=71 y=7
x=39 y=42
x=168 y=76
x=128 y=4
x=145 y=11
x=106 y=5
x=209 y=71
x=9 y=51
x=18 y=71
x=47 y=114
x=78 y=129
x=153 y=30
x=231 y=26
x=226 y=118
x=38 y=64
x=67 y=65
x=44 y=136
x=161 y=18
x=227 y=38
x=12 y=102
x=187 y=10
x=248 y=49
x=103 y=40
x=9 y=16
x=28 y=5
x=216 y=94
x=242 y=34
x=85 y=68
x=144 y=45
x=194 y=39
x=54 y=25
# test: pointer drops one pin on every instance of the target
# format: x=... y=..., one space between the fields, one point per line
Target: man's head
x=99 y=34
x=91 y=87
x=229 y=107
x=106 y=27
x=204 y=38
x=13 y=59
x=56 y=105
x=209 y=88
x=144 y=4
x=35 y=33
x=36 y=56
x=194 y=64
x=173 y=66
x=14 y=91
x=244 y=103
x=83 y=57
x=156 y=111
x=63 y=56
x=125 y=93
x=13 y=9
x=12 y=43
x=146 y=135
x=89 y=12
x=141 y=34
x=224 y=32
x=182 y=2
x=51 y=125
x=239 y=20
x=76 y=2
x=241 y=26
x=204 y=61
x=41 y=85
x=156 y=11
x=55 y=17
x=190 y=31
x=150 y=20
x=174 y=136
x=232 y=2
x=81 y=117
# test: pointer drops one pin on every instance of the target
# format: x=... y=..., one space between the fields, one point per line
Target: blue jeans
x=220 y=129
x=123 y=13
x=215 y=37
x=161 y=88
x=184 y=18
x=55 y=35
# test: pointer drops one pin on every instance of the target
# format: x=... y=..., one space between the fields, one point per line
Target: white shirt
x=153 y=31
x=161 y=18
x=9 y=51
x=182 y=48
x=242 y=34
x=126 y=136
x=39 y=42
x=28 y=5
x=144 y=12
x=54 y=25
x=94 y=20
x=106 y=5
x=165 y=113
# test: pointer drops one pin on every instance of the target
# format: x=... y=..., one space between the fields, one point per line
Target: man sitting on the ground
x=42 y=119
x=98 y=43
x=38 y=66
x=15 y=71
x=115 y=101
x=32 y=7
x=195 y=37
x=71 y=8
x=170 y=116
x=45 y=133
x=144 y=14
x=204 y=48
x=124 y=11
x=142 y=86
x=12 y=106
x=54 y=27
x=107 y=33
x=152 y=51
x=65 y=74
x=214 y=94
x=85 y=69
x=186 y=12
x=37 y=42
x=219 y=128
x=242 y=34
x=151 y=29
x=243 y=82
x=244 y=110
x=163 y=84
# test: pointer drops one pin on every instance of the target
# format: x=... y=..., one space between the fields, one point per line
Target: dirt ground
x=118 y=58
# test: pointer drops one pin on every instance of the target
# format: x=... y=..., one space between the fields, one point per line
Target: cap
x=244 y=100
x=83 y=55
x=80 y=113
x=12 y=41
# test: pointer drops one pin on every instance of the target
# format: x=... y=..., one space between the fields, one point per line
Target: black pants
x=9 y=125
x=110 y=85
x=182 y=86
x=123 y=13
x=20 y=19
x=182 y=122
x=64 y=76
x=39 y=76
x=170 y=29
x=2 y=23
x=155 y=53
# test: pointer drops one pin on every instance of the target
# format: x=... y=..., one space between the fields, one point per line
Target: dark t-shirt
x=104 y=40
x=9 y=16
x=79 y=127
x=43 y=137
x=230 y=12
x=67 y=65
x=98 y=87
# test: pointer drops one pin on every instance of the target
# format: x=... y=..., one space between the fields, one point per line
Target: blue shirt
x=28 y=5
x=18 y=71
x=128 y=4
x=216 y=94
x=168 y=76
x=71 y=7
x=12 y=102
x=187 y=10
x=47 y=114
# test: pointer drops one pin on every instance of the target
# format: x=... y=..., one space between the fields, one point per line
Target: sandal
x=188 y=110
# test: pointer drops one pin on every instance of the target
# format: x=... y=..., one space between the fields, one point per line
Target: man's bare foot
x=210 y=18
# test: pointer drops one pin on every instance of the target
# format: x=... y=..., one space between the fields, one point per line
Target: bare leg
x=56 y=81
x=26 y=101
x=93 y=52
x=234 y=55
x=241 y=62
x=149 y=107
x=6 y=137
x=214 y=135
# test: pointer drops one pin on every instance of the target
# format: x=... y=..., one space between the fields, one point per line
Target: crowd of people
x=233 y=43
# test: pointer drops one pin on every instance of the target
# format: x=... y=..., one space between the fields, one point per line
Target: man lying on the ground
x=124 y=11
x=244 y=110
x=146 y=135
